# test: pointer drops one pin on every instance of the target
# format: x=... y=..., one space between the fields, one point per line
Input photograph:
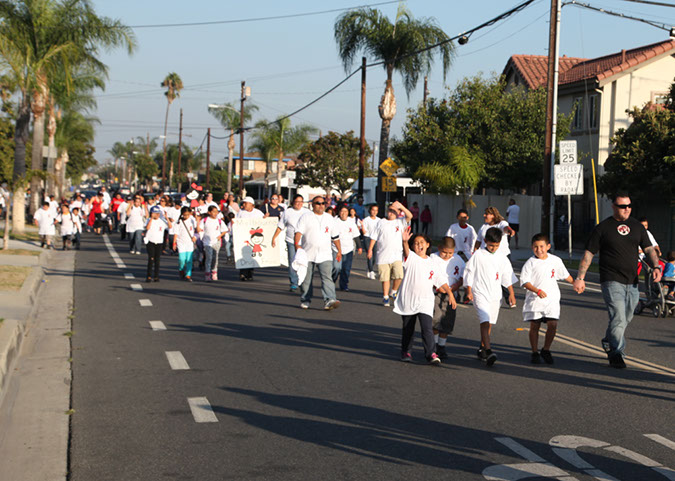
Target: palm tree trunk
x=51 y=131
x=19 y=177
x=38 y=107
x=166 y=123
x=280 y=162
x=230 y=153
x=387 y=110
x=5 y=237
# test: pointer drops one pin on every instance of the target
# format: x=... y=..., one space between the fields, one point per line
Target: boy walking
x=540 y=276
x=44 y=219
x=485 y=274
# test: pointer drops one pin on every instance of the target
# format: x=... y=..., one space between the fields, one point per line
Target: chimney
x=623 y=56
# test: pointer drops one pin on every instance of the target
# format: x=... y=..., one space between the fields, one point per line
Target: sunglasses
x=318 y=203
x=624 y=206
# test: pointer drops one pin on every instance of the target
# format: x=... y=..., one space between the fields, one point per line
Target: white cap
x=249 y=199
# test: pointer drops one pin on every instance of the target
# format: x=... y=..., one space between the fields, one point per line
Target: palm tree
x=230 y=118
x=39 y=39
x=173 y=84
x=399 y=46
x=280 y=138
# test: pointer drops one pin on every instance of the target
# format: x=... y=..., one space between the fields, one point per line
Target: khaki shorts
x=389 y=272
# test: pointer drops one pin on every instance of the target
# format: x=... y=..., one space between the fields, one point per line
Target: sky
x=289 y=62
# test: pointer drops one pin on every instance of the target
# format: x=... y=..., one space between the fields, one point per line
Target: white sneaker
x=304 y=305
x=330 y=305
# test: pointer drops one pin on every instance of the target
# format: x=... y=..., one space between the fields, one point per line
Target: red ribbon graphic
x=256 y=231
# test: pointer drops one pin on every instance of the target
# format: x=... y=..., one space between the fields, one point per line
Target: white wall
x=444 y=211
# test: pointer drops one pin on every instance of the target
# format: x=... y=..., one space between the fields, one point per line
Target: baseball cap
x=155 y=210
x=249 y=199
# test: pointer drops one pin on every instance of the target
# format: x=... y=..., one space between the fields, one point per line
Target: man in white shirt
x=316 y=230
x=389 y=238
x=289 y=221
x=106 y=196
x=513 y=218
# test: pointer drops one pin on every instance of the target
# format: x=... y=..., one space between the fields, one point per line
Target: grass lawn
x=26 y=236
x=12 y=277
x=20 y=252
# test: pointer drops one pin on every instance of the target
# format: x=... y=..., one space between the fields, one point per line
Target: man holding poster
x=317 y=230
x=247 y=250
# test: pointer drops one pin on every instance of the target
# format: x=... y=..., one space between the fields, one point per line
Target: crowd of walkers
x=423 y=286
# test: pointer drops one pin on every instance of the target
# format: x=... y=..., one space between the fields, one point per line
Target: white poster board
x=252 y=243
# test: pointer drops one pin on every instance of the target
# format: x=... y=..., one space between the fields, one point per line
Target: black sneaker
x=406 y=357
x=440 y=351
x=546 y=355
x=491 y=357
x=617 y=361
x=536 y=358
x=481 y=354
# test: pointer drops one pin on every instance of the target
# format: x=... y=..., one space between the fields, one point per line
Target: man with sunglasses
x=317 y=230
x=617 y=238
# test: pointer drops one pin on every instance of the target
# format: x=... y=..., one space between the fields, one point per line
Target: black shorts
x=515 y=227
x=444 y=315
x=543 y=319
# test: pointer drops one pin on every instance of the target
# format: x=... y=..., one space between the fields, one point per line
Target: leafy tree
x=173 y=84
x=504 y=128
x=146 y=168
x=331 y=162
x=403 y=46
x=6 y=150
x=644 y=154
x=218 y=179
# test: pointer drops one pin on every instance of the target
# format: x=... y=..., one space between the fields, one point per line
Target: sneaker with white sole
x=332 y=304
x=434 y=360
x=304 y=305
x=385 y=301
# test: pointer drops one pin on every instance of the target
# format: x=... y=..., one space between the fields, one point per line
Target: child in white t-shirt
x=184 y=240
x=67 y=227
x=484 y=276
x=44 y=219
x=154 y=241
x=415 y=299
x=540 y=276
x=77 y=226
x=463 y=234
x=214 y=230
x=444 y=315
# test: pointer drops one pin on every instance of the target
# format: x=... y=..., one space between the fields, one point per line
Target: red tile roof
x=533 y=68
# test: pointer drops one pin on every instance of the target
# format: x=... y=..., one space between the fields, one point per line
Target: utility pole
x=241 y=139
x=426 y=92
x=362 y=148
x=551 y=119
x=147 y=144
x=208 y=158
x=180 y=147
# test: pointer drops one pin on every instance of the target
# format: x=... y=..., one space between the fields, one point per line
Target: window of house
x=249 y=165
x=593 y=111
x=578 y=120
x=659 y=98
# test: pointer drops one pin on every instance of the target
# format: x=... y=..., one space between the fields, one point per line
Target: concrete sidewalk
x=35 y=350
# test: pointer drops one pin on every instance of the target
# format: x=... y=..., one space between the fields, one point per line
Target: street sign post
x=568 y=179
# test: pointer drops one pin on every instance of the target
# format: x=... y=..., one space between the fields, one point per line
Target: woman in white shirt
x=154 y=240
x=494 y=219
x=67 y=227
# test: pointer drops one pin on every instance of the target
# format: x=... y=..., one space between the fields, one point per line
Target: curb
x=12 y=330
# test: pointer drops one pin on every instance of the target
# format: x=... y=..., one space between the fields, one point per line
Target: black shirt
x=274 y=211
x=618 y=243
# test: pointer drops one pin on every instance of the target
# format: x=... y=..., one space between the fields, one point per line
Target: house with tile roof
x=600 y=91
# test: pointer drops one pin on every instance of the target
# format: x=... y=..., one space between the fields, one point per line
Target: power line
x=258 y=19
x=649 y=2
x=661 y=26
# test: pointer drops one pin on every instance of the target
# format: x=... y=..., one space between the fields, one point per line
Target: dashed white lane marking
x=520 y=450
x=661 y=440
x=157 y=326
x=136 y=287
x=177 y=361
x=129 y=275
x=115 y=256
x=201 y=410
x=145 y=302
x=536 y=467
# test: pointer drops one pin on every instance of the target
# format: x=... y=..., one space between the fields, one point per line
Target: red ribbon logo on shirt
x=326 y=230
x=431 y=274
x=396 y=228
x=256 y=231
x=497 y=278
x=456 y=271
x=350 y=230
x=552 y=273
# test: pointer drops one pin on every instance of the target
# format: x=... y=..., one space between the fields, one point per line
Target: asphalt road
x=309 y=394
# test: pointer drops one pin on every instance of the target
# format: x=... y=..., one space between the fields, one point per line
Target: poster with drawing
x=252 y=242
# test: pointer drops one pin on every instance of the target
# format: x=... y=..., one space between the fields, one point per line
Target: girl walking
x=184 y=240
x=154 y=240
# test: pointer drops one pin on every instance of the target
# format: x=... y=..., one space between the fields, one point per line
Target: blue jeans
x=342 y=269
x=292 y=275
x=136 y=240
x=211 y=258
x=327 y=284
x=371 y=262
x=621 y=300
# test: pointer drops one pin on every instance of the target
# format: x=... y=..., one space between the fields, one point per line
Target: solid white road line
x=201 y=410
x=136 y=287
x=145 y=302
x=177 y=361
x=661 y=440
x=129 y=275
x=115 y=256
x=157 y=326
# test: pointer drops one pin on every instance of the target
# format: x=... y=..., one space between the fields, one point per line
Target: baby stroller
x=654 y=297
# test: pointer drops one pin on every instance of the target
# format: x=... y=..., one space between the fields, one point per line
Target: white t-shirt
x=121 y=210
x=173 y=214
x=54 y=207
x=184 y=231
x=77 y=222
x=135 y=218
x=543 y=274
x=289 y=221
x=416 y=294
x=504 y=243
x=464 y=237
x=347 y=232
x=155 y=230
x=67 y=225
x=486 y=273
x=45 y=220
x=254 y=214
x=317 y=231
x=453 y=267
x=202 y=209
x=513 y=214
x=213 y=228
x=106 y=198
x=389 y=237
x=370 y=225
x=641 y=255
x=76 y=203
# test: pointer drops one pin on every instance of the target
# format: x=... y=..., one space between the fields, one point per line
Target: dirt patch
x=12 y=277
